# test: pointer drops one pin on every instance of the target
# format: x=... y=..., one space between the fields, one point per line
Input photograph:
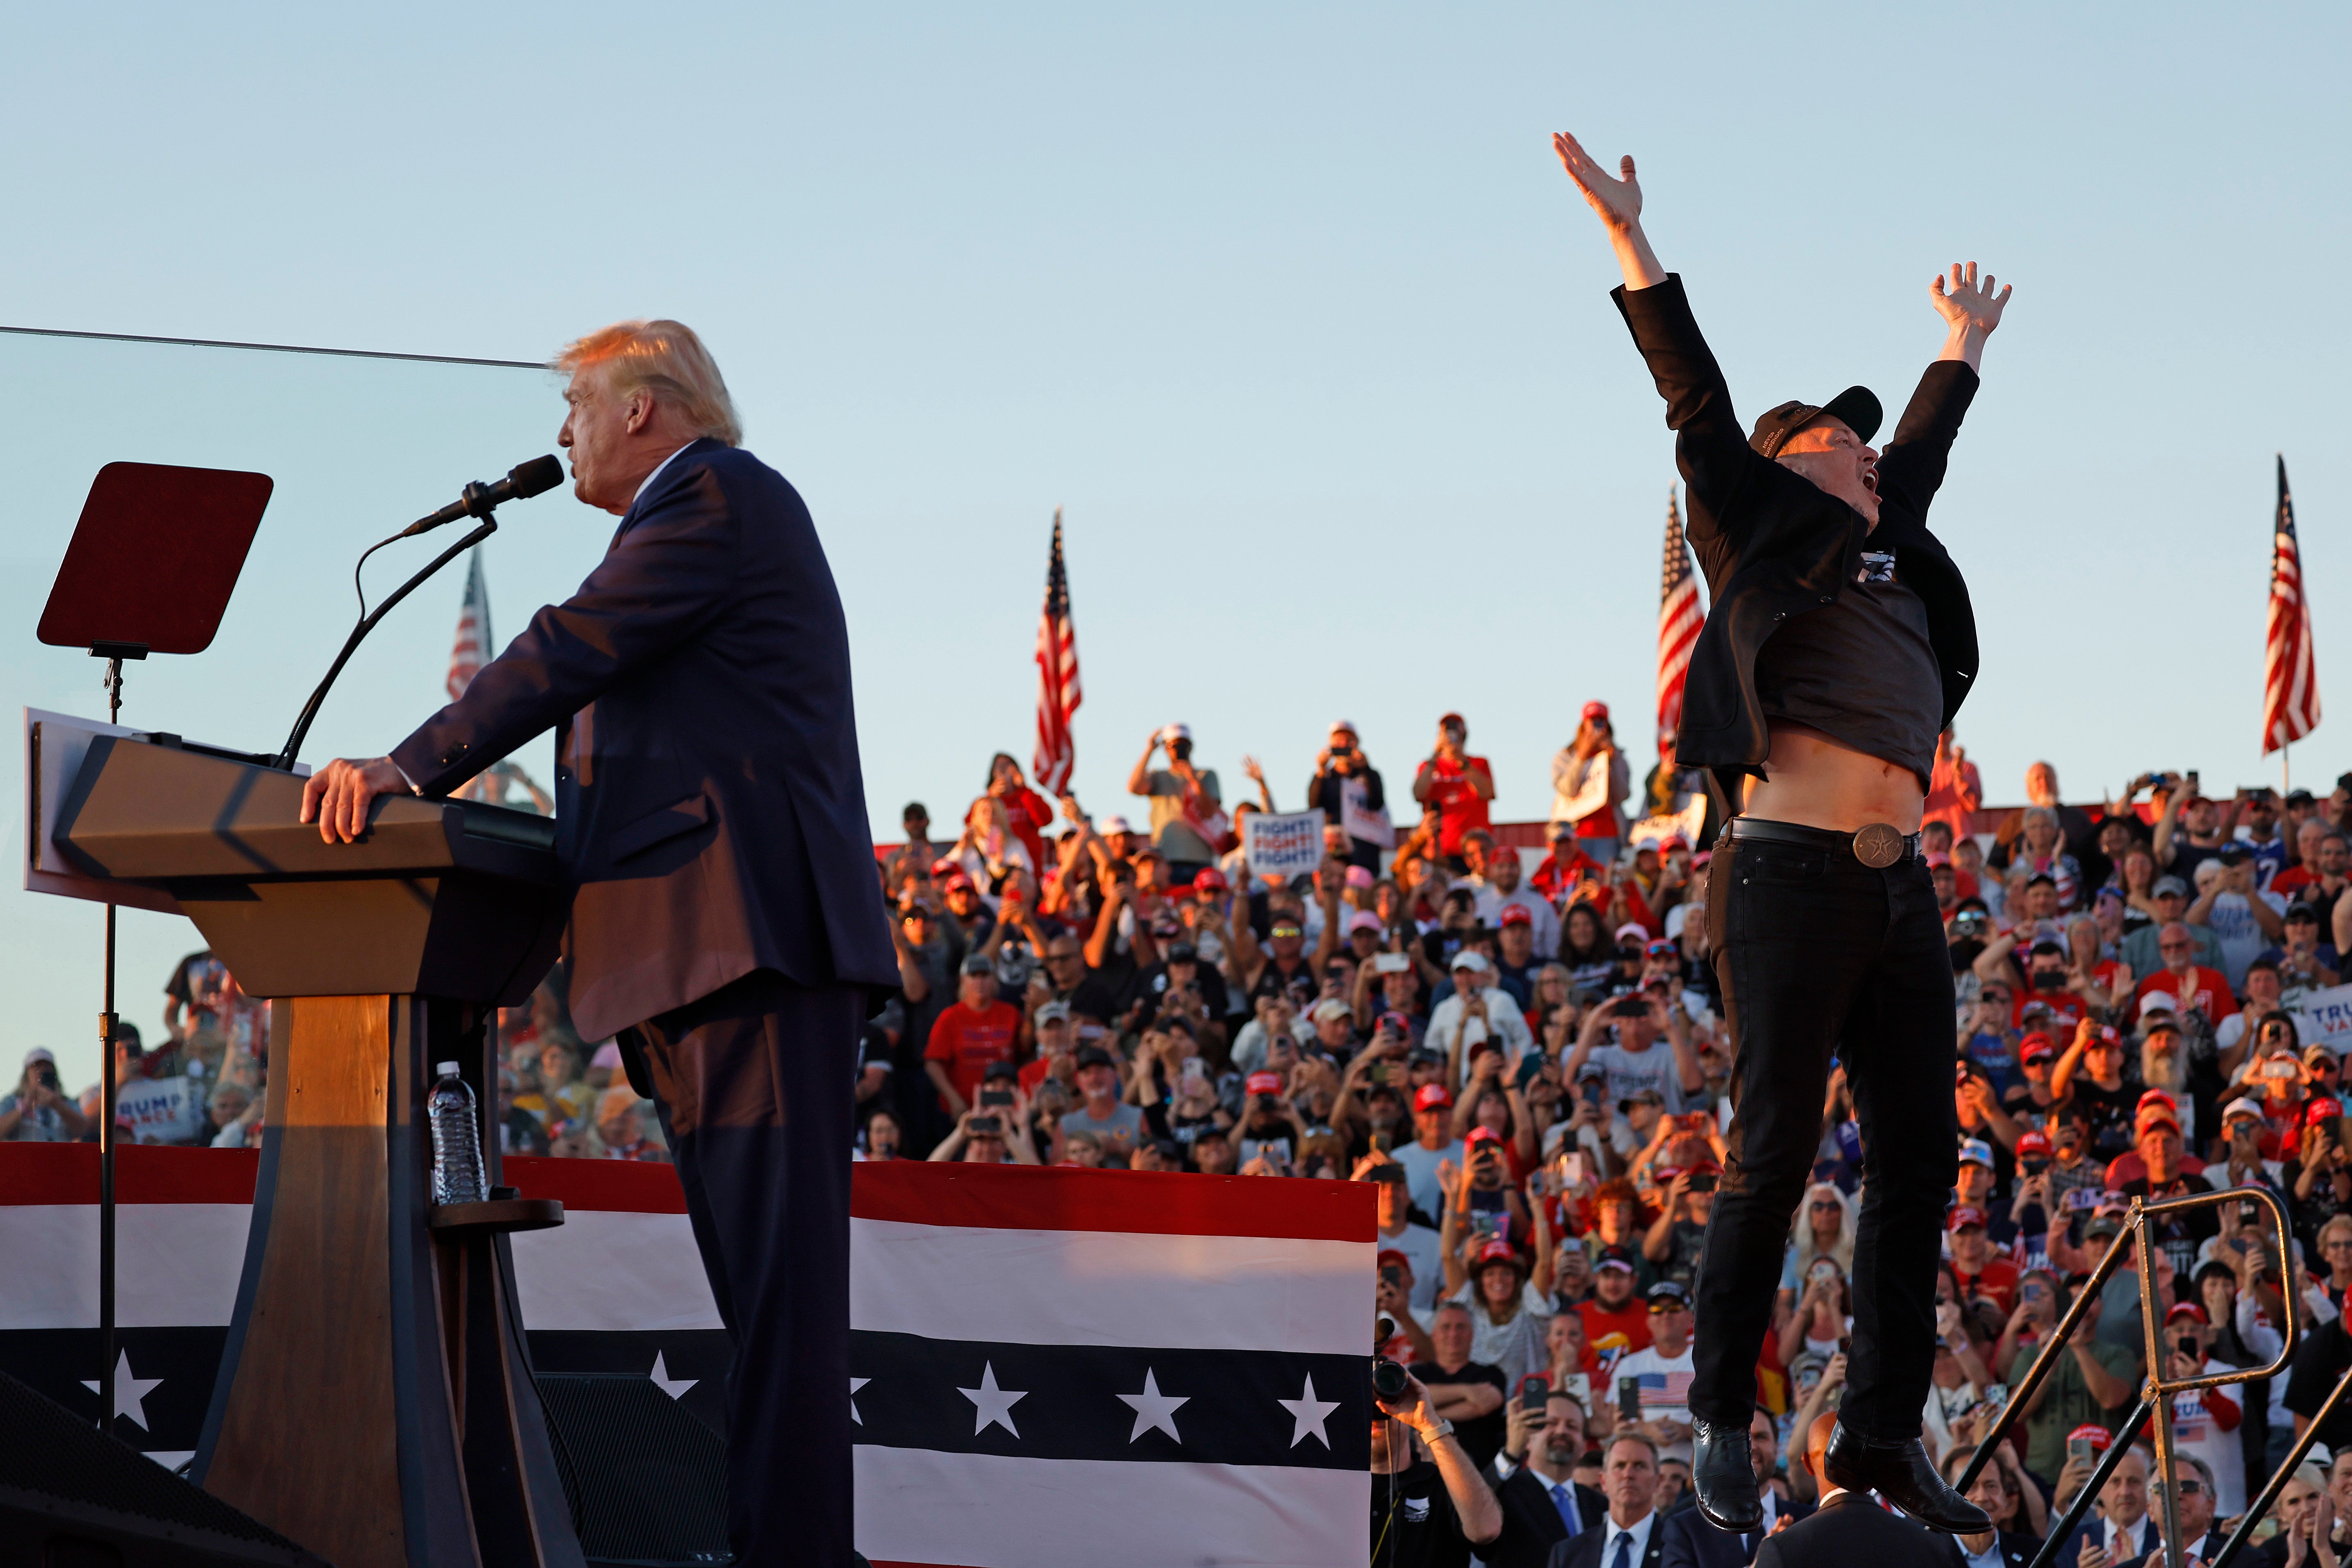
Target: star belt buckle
x=1878 y=845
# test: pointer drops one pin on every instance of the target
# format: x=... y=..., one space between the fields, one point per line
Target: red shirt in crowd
x=1631 y=1323
x=2065 y=1007
x=1026 y=811
x=2208 y=989
x=969 y=1041
x=1998 y=1283
x=1557 y=878
x=1460 y=807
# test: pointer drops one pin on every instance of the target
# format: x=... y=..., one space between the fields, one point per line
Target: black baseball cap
x=1095 y=1056
x=1857 y=406
x=1667 y=1291
x=999 y=1069
x=978 y=963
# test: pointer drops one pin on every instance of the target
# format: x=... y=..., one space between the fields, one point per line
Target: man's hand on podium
x=337 y=795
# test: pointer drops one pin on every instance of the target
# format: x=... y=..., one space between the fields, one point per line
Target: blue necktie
x=1565 y=1500
x=1624 y=1557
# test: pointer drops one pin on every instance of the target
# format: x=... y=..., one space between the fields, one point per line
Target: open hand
x=1966 y=306
x=1619 y=202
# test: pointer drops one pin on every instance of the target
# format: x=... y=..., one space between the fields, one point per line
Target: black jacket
x=1849 y=1528
x=1773 y=544
x=710 y=812
x=1531 y=1525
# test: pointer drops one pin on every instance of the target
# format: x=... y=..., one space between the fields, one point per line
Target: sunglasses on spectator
x=2340 y=1243
x=1658 y=1309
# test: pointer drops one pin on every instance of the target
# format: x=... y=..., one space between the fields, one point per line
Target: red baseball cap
x=2320 y=1108
x=1263 y=1083
x=1209 y=879
x=1516 y=915
x=1430 y=1095
x=1596 y=710
x=2035 y=1048
x=1479 y=1136
x=2188 y=1309
x=2098 y=1437
x=2158 y=1096
x=2032 y=1142
x=1387 y=1255
x=1500 y=1252
x=1965 y=1215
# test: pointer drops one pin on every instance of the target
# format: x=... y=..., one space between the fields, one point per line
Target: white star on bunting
x=675 y=1387
x=1153 y=1409
x=129 y=1392
x=855 y=1384
x=1309 y=1414
x=992 y=1406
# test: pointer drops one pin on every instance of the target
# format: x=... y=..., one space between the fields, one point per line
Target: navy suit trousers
x=754 y=1085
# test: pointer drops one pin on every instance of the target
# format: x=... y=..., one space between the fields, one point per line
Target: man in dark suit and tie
x=725 y=920
x=1692 y=1543
x=2128 y=1533
x=1847 y=1527
x=1543 y=1503
x=1630 y=1534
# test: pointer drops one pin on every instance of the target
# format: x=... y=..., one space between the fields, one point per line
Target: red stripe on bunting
x=67 y=1173
x=1170 y=1203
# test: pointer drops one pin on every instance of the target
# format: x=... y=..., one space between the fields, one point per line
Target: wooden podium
x=374 y=1402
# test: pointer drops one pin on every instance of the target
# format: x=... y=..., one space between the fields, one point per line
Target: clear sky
x=1290 y=307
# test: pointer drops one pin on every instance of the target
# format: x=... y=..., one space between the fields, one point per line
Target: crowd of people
x=1524 y=1055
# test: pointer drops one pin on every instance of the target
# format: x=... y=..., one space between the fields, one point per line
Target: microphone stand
x=285 y=758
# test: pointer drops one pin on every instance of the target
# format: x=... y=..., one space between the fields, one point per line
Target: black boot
x=1899 y=1471
x=1723 y=1472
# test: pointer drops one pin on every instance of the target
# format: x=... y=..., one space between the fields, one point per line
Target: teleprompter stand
x=149 y=570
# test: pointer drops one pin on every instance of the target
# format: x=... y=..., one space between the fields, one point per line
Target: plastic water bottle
x=457 y=1138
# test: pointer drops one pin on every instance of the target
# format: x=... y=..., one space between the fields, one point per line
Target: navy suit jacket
x=1849 y=1528
x=2145 y=1537
x=1692 y=1543
x=710 y=812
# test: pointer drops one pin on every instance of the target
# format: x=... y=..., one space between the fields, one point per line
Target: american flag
x=2290 y=683
x=472 y=649
x=1665 y=1390
x=1057 y=677
x=1679 y=618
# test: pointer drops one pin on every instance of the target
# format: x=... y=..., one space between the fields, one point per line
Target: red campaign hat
x=942 y=868
x=1500 y=1252
x=1387 y=1255
x=1516 y=915
x=1429 y=1095
x=1263 y=1083
x=1480 y=1135
x=2188 y=1309
x=2320 y=1108
x=1596 y=710
x=1963 y=1216
x=2097 y=1435
x=958 y=880
x=2031 y=1143
x=2158 y=1096
x=1209 y=879
x=2035 y=1048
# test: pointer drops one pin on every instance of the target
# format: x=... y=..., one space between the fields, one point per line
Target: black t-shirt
x=2319 y=1363
x=2180 y=1232
x=178 y=986
x=1298 y=984
x=1482 y=1436
x=1805 y=670
x=1424 y=1531
x=1151 y=987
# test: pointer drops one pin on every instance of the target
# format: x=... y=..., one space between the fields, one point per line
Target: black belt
x=1877 y=844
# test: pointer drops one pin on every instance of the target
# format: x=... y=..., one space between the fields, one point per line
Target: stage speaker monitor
x=73 y=1497
x=647 y=1481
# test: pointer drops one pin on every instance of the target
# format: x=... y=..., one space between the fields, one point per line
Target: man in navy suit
x=726 y=918
x=1692 y=1543
x=1534 y=1479
x=2128 y=1533
x=1632 y=1534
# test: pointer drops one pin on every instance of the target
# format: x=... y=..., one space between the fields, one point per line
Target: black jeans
x=754 y=1084
x=1818 y=955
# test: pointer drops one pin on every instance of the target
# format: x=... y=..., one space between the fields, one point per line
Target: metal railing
x=2138 y=1237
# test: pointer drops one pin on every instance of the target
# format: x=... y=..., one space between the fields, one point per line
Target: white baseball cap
x=1347 y=724
x=1470 y=958
x=1177 y=733
x=1116 y=823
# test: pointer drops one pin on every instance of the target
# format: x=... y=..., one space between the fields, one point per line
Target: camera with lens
x=1389 y=1381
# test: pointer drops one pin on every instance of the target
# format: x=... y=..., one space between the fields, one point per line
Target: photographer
x=1430 y=1512
x=992 y=1136
x=1340 y=764
x=39 y=1112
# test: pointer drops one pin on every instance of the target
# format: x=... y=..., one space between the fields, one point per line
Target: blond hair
x=666 y=359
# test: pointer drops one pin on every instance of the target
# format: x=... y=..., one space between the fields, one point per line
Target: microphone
x=477 y=500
